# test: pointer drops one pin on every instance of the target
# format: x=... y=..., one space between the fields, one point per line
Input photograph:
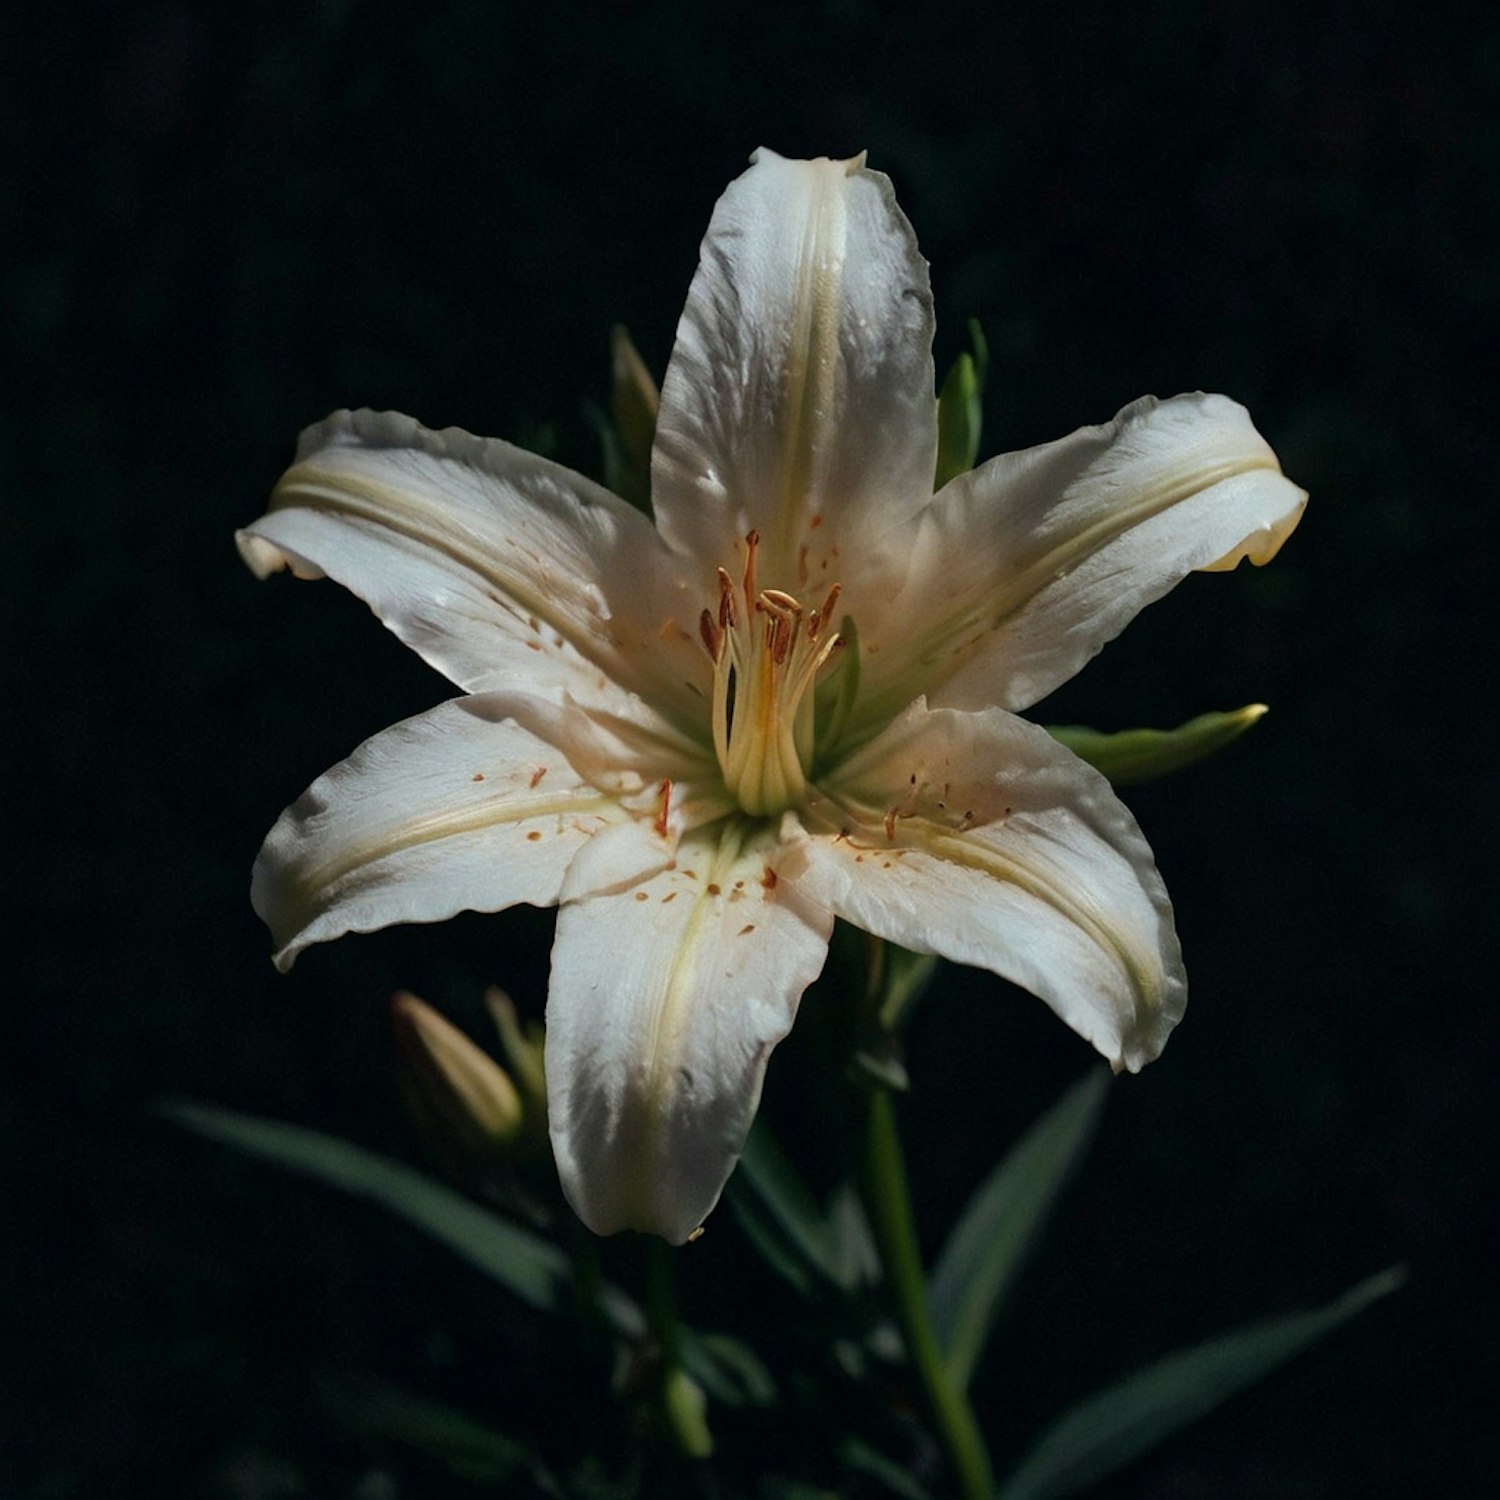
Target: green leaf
x=904 y=979
x=960 y=412
x=371 y=1408
x=856 y=1259
x=895 y=1477
x=778 y=1487
x=534 y=1270
x=880 y=1068
x=1135 y=755
x=728 y=1369
x=1118 y=1425
x=778 y=1212
x=1002 y=1222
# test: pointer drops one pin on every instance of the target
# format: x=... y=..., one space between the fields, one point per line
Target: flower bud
x=633 y=401
x=1135 y=755
x=463 y=1101
x=960 y=413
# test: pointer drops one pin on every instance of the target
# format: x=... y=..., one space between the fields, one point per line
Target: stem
x=889 y=1202
x=661 y=1296
x=680 y=1401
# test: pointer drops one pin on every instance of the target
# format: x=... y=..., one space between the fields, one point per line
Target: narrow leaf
x=729 y=1370
x=531 y=1268
x=371 y=1408
x=1118 y=1425
x=851 y=1240
x=1135 y=755
x=1001 y=1223
x=895 y=1477
x=904 y=978
x=778 y=1212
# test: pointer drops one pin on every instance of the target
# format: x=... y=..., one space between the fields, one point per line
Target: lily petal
x=799 y=398
x=454 y=810
x=976 y=836
x=668 y=993
x=1019 y=572
x=498 y=567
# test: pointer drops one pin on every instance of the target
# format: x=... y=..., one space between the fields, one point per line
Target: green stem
x=661 y=1296
x=889 y=1201
x=681 y=1402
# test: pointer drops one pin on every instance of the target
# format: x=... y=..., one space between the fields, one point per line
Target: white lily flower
x=792 y=699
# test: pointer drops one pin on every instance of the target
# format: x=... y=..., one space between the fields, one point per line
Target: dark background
x=222 y=221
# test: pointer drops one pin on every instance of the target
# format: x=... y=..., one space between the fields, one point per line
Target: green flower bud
x=1135 y=755
x=633 y=400
x=960 y=414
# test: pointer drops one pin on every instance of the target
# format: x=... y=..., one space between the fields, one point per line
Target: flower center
x=767 y=653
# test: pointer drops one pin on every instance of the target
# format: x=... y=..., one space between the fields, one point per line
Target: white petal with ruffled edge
x=668 y=994
x=498 y=567
x=799 y=398
x=1022 y=570
x=449 y=811
x=978 y=837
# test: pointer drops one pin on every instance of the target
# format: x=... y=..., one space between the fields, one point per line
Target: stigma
x=767 y=651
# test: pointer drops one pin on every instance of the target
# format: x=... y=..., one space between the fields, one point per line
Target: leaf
x=862 y=1457
x=728 y=1369
x=534 y=1270
x=905 y=977
x=371 y=1408
x=1118 y=1425
x=778 y=1487
x=1004 y=1217
x=778 y=1212
x=1136 y=755
x=855 y=1258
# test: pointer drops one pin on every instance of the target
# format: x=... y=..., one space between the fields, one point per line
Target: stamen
x=663 y=808
x=820 y=617
x=766 y=659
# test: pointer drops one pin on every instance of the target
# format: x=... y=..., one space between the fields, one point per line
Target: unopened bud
x=960 y=411
x=463 y=1101
x=633 y=403
x=1135 y=755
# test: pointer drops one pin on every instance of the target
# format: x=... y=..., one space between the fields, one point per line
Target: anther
x=752 y=541
x=713 y=636
x=727 y=615
x=820 y=617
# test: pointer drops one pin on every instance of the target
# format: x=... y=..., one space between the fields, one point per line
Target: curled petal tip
x=1262 y=544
